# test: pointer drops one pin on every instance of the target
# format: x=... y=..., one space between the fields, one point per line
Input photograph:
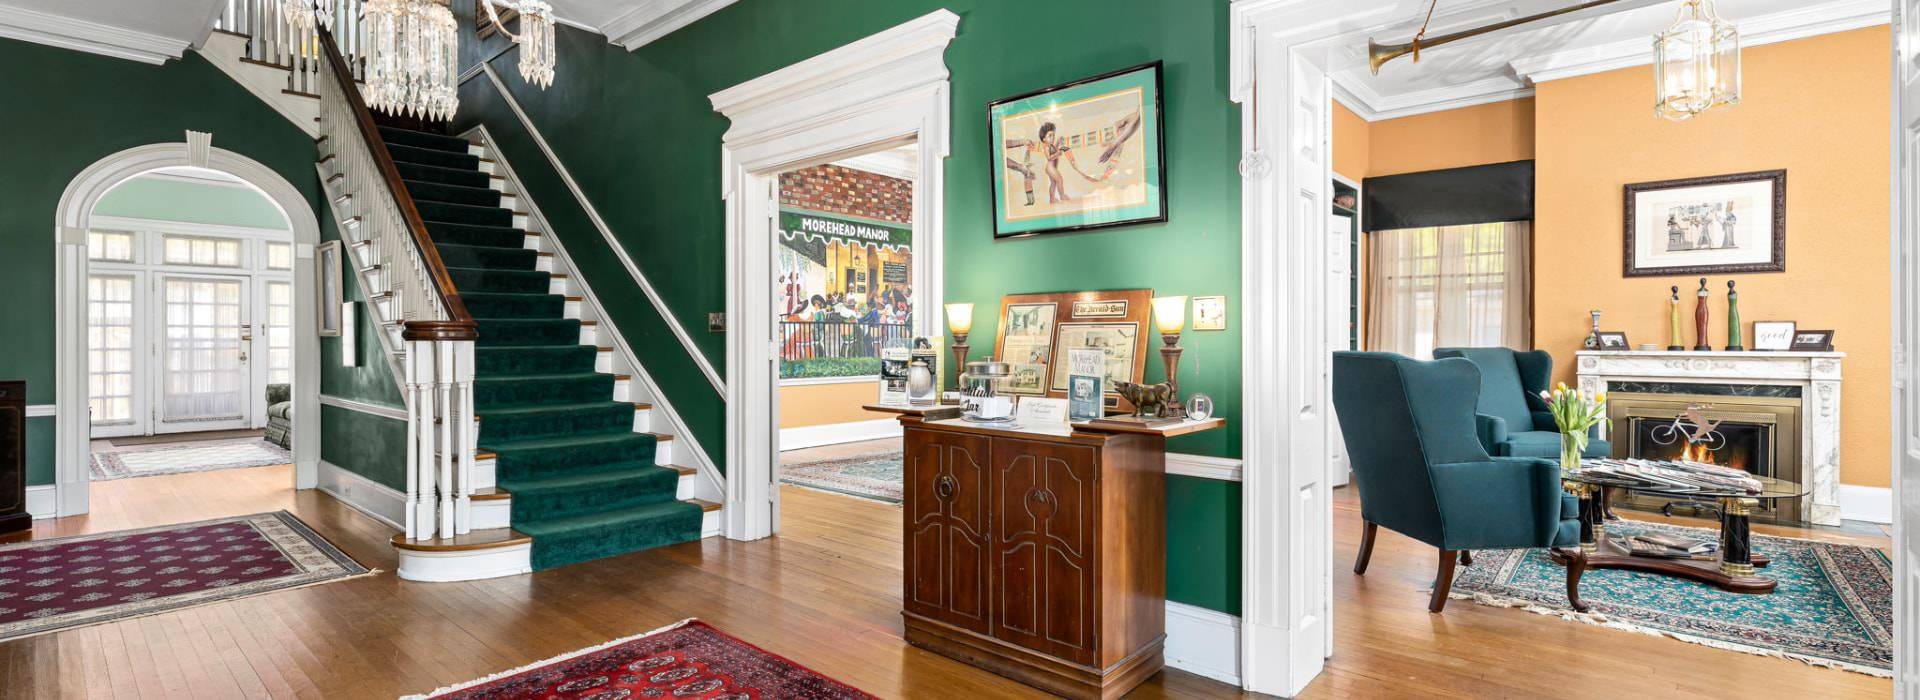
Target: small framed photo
x=1773 y=335
x=1613 y=340
x=1210 y=313
x=326 y=261
x=1812 y=341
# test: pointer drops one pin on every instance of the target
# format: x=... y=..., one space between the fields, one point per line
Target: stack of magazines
x=1664 y=546
x=1673 y=476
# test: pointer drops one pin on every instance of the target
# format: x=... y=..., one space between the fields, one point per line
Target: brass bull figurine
x=1149 y=400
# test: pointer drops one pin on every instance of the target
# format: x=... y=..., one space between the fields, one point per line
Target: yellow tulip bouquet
x=1575 y=412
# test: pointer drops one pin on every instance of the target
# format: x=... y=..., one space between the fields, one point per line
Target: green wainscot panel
x=40 y=433
x=1203 y=543
x=372 y=446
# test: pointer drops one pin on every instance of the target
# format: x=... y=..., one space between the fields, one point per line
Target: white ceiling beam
x=91 y=37
x=1798 y=23
x=652 y=19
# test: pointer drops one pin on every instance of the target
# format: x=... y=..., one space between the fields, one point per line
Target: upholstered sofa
x=280 y=415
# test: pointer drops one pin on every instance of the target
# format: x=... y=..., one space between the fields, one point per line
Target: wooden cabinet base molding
x=1050 y=673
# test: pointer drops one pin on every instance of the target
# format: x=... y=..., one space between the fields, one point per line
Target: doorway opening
x=844 y=276
x=189 y=336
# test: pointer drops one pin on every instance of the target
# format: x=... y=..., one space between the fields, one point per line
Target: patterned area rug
x=1833 y=606
x=688 y=659
x=183 y=457
x=55 y=584
x=875 y=476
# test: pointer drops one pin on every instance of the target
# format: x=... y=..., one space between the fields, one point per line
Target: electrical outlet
x=716 y=322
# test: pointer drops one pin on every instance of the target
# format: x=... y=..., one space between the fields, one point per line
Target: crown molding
x=652 y=19
x=1798 y=23
x=895 y=163
x=91 y=37
x=1354 y=92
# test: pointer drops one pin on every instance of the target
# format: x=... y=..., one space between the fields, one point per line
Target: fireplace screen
x=1747 y=446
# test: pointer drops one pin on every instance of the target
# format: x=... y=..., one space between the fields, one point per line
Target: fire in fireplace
x=1747 y=446
x=1759 y=434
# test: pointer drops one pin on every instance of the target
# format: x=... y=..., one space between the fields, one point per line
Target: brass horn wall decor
x=1378 y=54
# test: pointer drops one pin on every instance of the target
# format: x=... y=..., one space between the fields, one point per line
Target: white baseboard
x=1866 y=503
x=838 y=433
x=1203 y=642
x=363 y=494
x=41 y=502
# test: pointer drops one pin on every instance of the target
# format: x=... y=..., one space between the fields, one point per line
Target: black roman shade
x=1481 y=194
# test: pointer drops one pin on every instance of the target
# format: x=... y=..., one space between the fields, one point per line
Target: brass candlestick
x=960 y=323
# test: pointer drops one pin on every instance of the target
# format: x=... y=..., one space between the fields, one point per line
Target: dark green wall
x=638 y=132
x=64 y=110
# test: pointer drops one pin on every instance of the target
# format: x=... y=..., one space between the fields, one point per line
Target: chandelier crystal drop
x=412 y=58
x=535 y=38
x=1696 y=63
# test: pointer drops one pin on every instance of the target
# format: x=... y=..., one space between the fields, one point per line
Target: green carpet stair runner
x=584 y=484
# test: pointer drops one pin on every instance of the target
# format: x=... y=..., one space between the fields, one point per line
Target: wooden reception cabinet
x=13 y=458
x=1038 y=556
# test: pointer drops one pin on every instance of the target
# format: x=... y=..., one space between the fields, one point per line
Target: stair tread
x=551 y=407
x=608 y=518
x=548 y=377
x=630 y=471
x=564 y=441
x=478 y=539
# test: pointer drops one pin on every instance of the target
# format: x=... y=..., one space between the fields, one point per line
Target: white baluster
x=443 y=384
x=464 y=440
x=414 y=487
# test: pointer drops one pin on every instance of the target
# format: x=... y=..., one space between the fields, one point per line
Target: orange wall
x=1500 y=132
x=1817 y=107
x=1350 y=143
x=824 y=404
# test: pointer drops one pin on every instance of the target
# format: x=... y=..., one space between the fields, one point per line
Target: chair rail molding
x=619 y=251
x=75 y=216
x=887 y=89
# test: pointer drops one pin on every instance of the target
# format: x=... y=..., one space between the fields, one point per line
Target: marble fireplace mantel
x=1816 y=373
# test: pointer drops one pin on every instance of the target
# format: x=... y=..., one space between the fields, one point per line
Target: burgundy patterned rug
x=688 y=659
x=49 y=585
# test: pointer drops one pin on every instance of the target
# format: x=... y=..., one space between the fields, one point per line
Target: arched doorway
x=73 y=221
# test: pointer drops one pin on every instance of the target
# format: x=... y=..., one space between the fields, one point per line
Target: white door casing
x=74 y=216
x=1906 y=340
x=886 y=89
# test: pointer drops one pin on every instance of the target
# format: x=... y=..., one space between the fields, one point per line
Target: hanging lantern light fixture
x=535 y=38
x=1696 y=63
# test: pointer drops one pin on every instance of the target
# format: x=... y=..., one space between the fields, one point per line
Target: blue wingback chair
x=1421 y=471
x=1513 y=420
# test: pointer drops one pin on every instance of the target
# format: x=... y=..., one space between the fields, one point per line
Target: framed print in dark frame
x=1812 y=341
x=1707 y=225
x=1081 y=155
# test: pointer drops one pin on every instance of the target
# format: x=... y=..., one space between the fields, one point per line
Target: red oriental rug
x=48 y=585
x=687 y=659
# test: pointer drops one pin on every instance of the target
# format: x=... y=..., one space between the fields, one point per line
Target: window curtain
x=1449 y=286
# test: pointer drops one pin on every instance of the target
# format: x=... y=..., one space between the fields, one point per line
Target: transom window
x=279 y=256
x=110 y=246
x=196 y=250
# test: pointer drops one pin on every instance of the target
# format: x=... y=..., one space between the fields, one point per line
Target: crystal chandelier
x=535 y=38
x=412 y=56
x=1696 y=63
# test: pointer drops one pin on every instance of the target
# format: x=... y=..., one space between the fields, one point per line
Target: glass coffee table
x=1736 y=567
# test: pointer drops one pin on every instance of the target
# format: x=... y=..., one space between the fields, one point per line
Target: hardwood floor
x=825 y=594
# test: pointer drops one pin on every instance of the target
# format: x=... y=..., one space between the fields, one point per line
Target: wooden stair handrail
x=459 y=324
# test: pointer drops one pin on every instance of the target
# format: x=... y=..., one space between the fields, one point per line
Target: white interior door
x=1906 y=351
x=1339 y=305
x=205 y=339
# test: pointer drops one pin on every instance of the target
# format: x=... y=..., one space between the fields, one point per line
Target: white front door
x=205 y=339
x=1906 y=352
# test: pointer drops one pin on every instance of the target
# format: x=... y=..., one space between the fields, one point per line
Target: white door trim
x=887 y=88
x=1286 y=539
x=1905 y=418
x=75 y=216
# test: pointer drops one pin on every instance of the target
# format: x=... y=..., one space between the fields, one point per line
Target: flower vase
x=1571 y=445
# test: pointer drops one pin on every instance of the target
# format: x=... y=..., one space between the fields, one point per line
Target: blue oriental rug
x=1833 y=606
x=874 y=476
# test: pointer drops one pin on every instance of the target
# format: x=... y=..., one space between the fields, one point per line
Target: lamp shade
x=1170 y=313
x=960 y=318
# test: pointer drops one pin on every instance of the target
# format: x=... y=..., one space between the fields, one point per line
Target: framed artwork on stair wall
x=326 y=260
